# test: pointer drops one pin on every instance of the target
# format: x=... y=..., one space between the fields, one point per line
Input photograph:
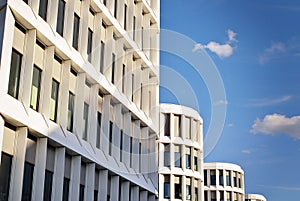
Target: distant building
x=255 y=197
x=223 y=181
x=79 y=99
x=180 y=154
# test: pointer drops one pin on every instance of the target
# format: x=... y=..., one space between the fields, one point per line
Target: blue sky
x=255 y=46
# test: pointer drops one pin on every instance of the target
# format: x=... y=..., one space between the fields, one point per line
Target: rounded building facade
x=223 y=181
x=255 y=197
x=180 y=153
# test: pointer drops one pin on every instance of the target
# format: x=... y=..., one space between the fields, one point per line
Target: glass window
x=110 y=136
x=177 y=156
x=167 y=155
x=188 y=163
x=228 y=179
x=123 y=78
x=90 y=44
x=14 y=75
x=235 y=197
x=70 y=111
x=54 y=100
x=60 y=17
x=27 y=181
x=178 y=193
x=167 y=125
x=85 y=121
x=213 y=196
x=75 y=31
x=228 y=195
x=125 y=16
x=196 y=160
x=188 y=189
x=99 y=116
x=116 y=9
x=5 y=169
x=81 y=192
x=134 y=27
x=121 y=144
x=221 y=178
x=239 y=180
x=188 y=128
x=205 y=196
x=131 y=149
x=167 y=186
x=234 y=179
x=205 y=177
x=43 y=9
x=132 y=86
x=66 y=189
x=35 y=88
x=48 y=185
x=221 y=195
x=212 y=177
x=196 y=189
x=177 y=125
x=102 y=57
x=113 y=68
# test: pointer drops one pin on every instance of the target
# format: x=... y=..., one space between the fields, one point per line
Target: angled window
x=102 y=57
x=76 y=31
x=221 y=178
x=71 y=111
x=99 y=116
x=113 y=56
x=221 y=195
x=177 y=125
x=35 y=88
x=27 y=182
x=213 y=196
x=205 y=177
x=110 y=137
x=48 y=185
x=212 y=177
x=123 y=78
x=14 y=75
x=60 y=17
x=5 y=169
x=188 y=159
x=188 y=189
x=54 y=100
x=90 y=44
x=167 y=155
x=85 y=121
x=66 y=189
x=196 y=168
x=125 y=16
x=167 y=125
x=115 y=8
x=177 y=156
x=178 y=193
x=43 y=9
x=167 y=186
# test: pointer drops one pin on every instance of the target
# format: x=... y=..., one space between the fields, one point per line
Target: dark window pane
x=205 y=177
x=5 y=169
x=81 y=192
x=212 y=177
x=48 y=185
x=27 y=182
x=125 y=16
x=90 y=44
x=167 y=124
x=14 y=75
x=43 y=9
x=102 y=57
x=167 y=190
x=113 y=68
x=66 y=189
x=110 y=136
x=96 y=195
x=85 y=120
x=54 y=100
x=60 y=17
x=115 y=8
x=35 y=88
x=75 y=31
x=99 y=116
x=70 y=111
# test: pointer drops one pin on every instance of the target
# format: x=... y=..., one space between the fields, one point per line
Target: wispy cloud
x=230 y=125
x=246 y=152
x=287 y=188
x=222 y=50
x=274 y=124
x=269 y=102
x=221 y=102
x=272 y=52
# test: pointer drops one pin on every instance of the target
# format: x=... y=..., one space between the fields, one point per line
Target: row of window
x=57 y=96
x=235 y=180
x=192 y=128
x=178 y=188
x=191 y=156
x=62 y=7
x=31 y=158
x=223 y=196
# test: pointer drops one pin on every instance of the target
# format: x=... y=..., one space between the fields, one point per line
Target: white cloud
x=246 y=152
x=270 y=102
x=222 y=50
x=273 y=124
x=230 y=125
x=272 y=52
x=231 y=36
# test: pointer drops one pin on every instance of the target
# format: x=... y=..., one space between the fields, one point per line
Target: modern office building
x=79 y=99
x=255 y=197
x=223 y=181
x=180 y=154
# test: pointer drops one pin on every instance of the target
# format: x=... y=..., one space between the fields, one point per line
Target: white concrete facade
x=79 y=99
x=255 y=197
x=180 y=153
x=223 y=181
